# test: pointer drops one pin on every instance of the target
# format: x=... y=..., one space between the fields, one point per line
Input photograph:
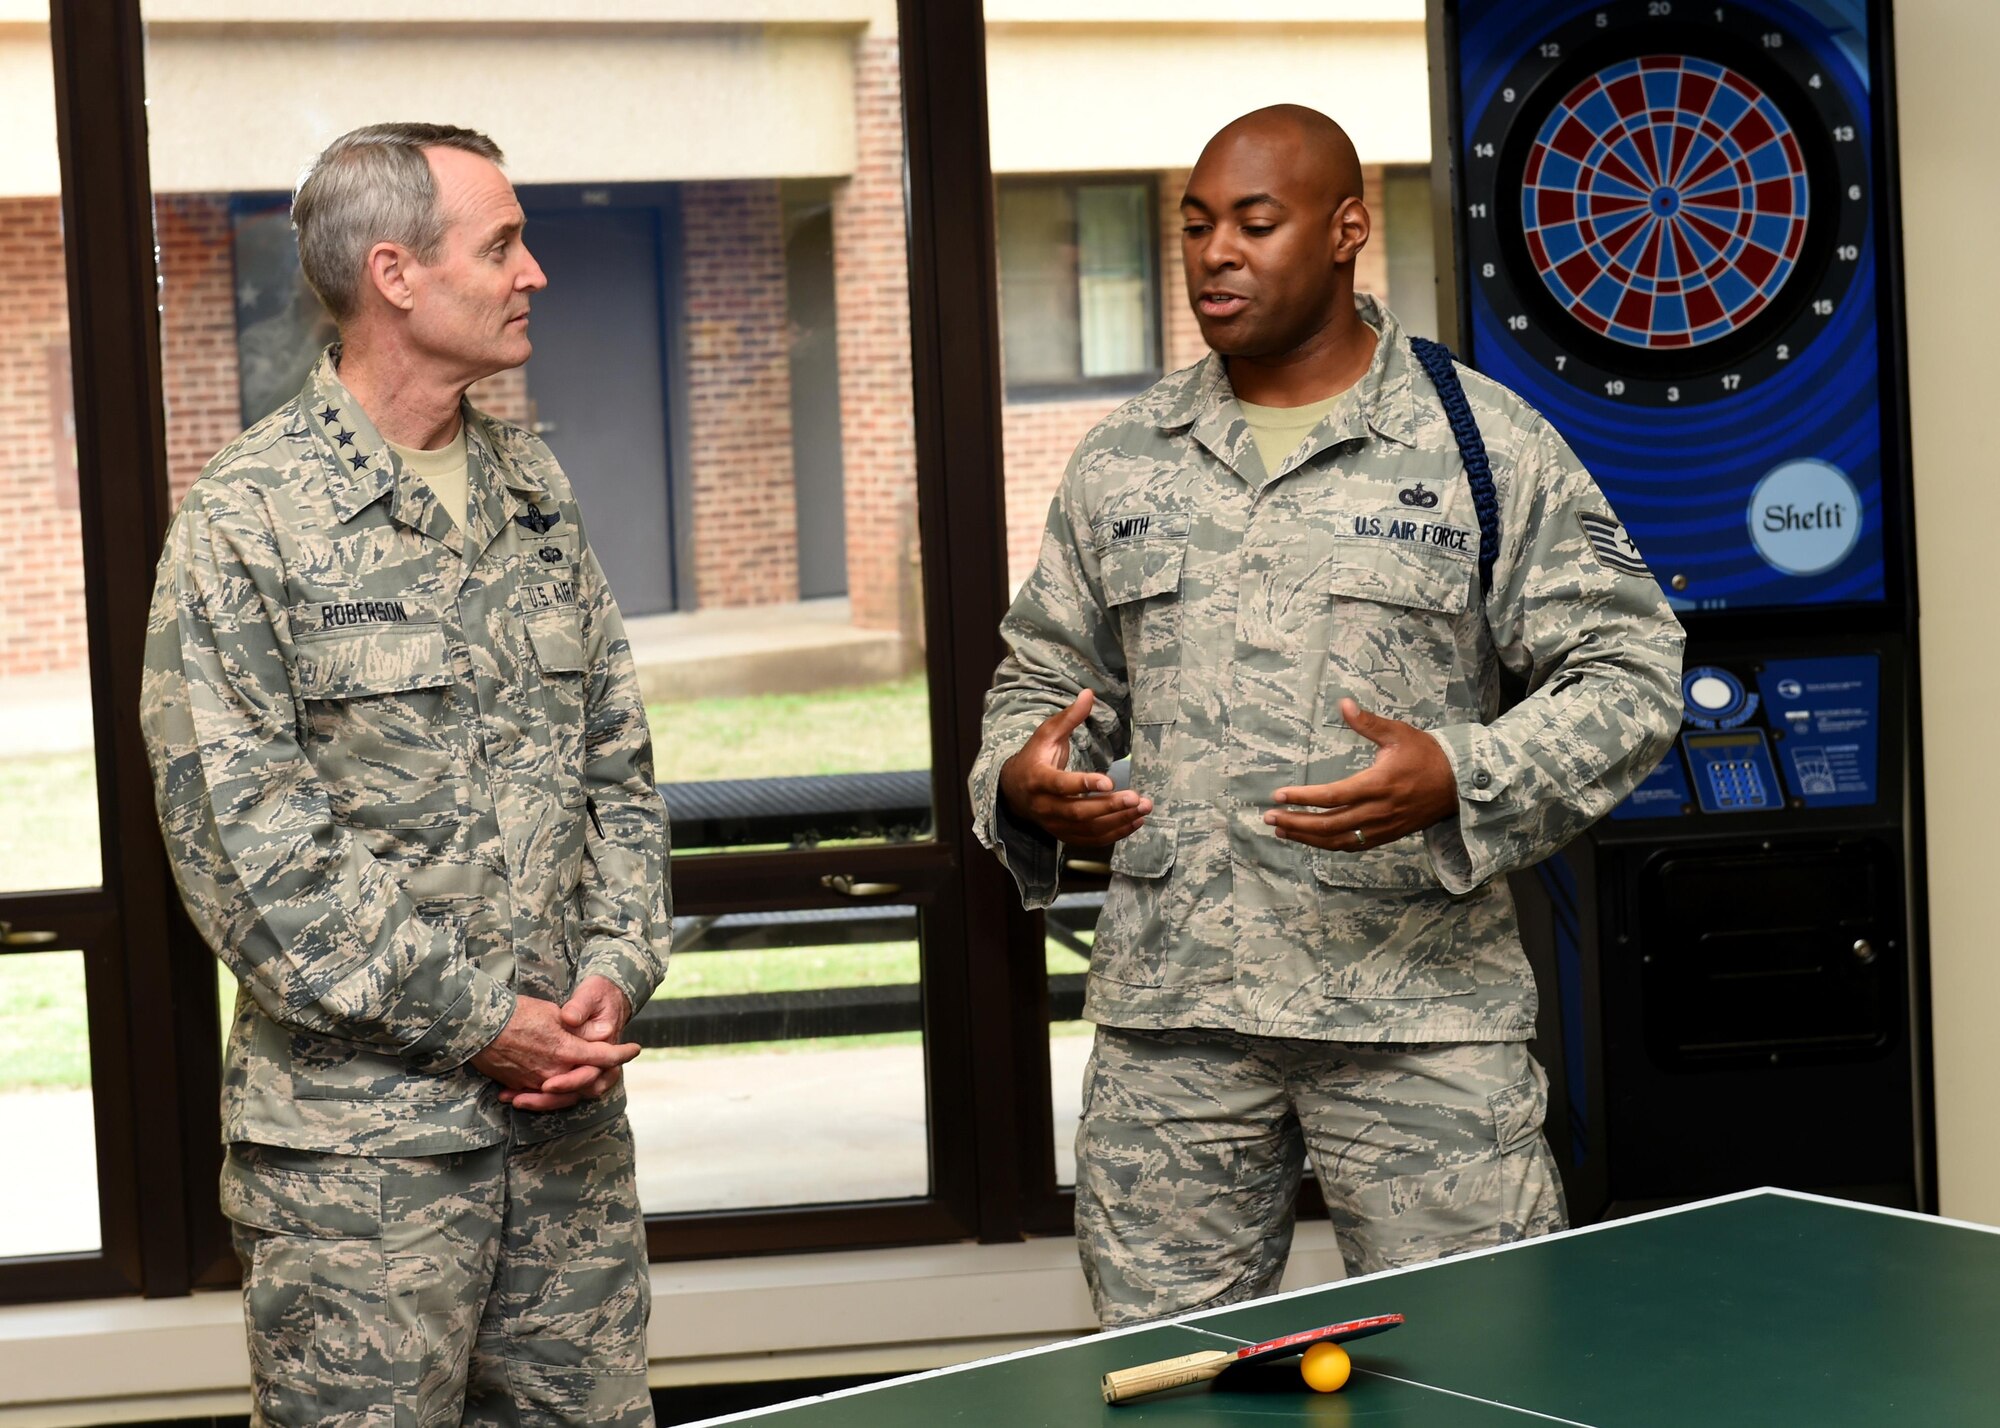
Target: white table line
x=1226 y=1338
x=1471 y=1398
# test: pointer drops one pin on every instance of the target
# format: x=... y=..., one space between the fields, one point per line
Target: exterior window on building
x=49 y=761
x=1079 y=285
x=1094 y=152
x=721 y=365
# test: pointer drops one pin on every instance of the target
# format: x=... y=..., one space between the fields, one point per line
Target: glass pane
x=1071 y=928
x=789 y=1067
x=1094 y=131
x=1038 y=284
x=721 y=357
x=721 y=364
x=48 y=1205
x=1114 y=279
x=48 y=765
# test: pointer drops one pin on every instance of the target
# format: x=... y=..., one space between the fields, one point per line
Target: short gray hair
x=371 y=186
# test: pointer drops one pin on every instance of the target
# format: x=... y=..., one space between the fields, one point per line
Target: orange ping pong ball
x=1325 y=1367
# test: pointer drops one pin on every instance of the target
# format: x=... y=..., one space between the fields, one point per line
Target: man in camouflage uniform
x=1260 y=580
x=406 y=783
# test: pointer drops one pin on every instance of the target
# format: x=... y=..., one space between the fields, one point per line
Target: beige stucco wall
x=27 y=110
x=241 y=109
x=1092 y=97
x=1951 y=210
x=243 y=92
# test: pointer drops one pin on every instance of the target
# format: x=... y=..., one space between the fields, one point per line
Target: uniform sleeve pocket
x=1149 y=853
x=557 y=636
x=390 y=659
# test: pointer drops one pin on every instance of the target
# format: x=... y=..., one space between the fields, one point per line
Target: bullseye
x=1665 y=201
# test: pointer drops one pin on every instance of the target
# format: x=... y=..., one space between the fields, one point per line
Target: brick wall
x=1036 y=441
x=504 y=395
x=872 y=321
x=739 y=394
x=41 y=555
x=198 y=332
x=1181 y=341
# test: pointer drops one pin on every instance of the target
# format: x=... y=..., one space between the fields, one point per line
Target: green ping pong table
x=1768 y=1308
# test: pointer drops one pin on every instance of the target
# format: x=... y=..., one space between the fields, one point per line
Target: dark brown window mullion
x=921 y=876
x=36 y=924
x=148 y=1048
x=955 y=329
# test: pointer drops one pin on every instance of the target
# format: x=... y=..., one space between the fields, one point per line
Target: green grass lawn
x=48 y=805
x=871 y=729
x=44 y=1036
x=48 y=839
x=48 y=823
x=43 y=1040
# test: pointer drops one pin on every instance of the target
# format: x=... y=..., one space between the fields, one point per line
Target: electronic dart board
x=1671 y=227
x=1669 y=246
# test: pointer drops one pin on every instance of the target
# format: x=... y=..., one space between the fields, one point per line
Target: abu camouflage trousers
x=499 y=1286
x=1192 y=1145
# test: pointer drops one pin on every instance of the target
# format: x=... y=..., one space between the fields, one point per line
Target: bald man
x=1262 y=580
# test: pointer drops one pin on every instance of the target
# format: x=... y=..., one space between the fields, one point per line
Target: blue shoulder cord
x=1436 y=361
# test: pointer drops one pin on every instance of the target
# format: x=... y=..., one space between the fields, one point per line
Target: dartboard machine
x=1672 y=228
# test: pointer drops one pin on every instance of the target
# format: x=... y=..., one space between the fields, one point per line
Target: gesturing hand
x=538 y=1059
x=1409 y=786
x=1080 y=809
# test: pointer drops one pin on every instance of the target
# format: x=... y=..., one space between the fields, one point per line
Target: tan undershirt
x=1279 y=430
x=443 y=471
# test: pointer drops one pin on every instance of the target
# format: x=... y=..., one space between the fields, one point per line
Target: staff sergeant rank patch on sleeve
x=1610 y=544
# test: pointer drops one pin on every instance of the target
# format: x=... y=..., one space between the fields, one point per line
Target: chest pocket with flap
x=1141 y=580
x=380 y=721
x=558 y=676
x=1398 y=617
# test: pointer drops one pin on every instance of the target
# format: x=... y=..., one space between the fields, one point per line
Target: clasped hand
x=550 y=1057
x=1408 y=787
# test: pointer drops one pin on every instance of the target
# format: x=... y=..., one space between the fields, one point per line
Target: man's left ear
x=1352 y=225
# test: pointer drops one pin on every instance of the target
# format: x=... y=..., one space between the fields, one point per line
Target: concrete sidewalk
x=762 y=649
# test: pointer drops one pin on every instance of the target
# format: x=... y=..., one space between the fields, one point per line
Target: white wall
x=1951 y=212
x=241 y=93
x=1079 y=98
x=247 y=107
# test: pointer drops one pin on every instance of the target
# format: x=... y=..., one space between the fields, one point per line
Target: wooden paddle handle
x=1121 y=1384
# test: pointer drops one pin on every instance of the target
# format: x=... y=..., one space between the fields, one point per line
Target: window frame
x=156 y=1077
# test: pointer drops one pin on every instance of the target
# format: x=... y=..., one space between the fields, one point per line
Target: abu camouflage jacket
x=403 y=773
x=1220 y=612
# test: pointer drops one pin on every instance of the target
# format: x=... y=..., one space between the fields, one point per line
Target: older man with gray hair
x=405 y=780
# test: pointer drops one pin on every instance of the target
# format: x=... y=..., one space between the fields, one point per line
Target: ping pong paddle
x=1121 y=1384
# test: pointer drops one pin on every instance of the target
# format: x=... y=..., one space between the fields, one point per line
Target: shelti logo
x=1805 y=517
